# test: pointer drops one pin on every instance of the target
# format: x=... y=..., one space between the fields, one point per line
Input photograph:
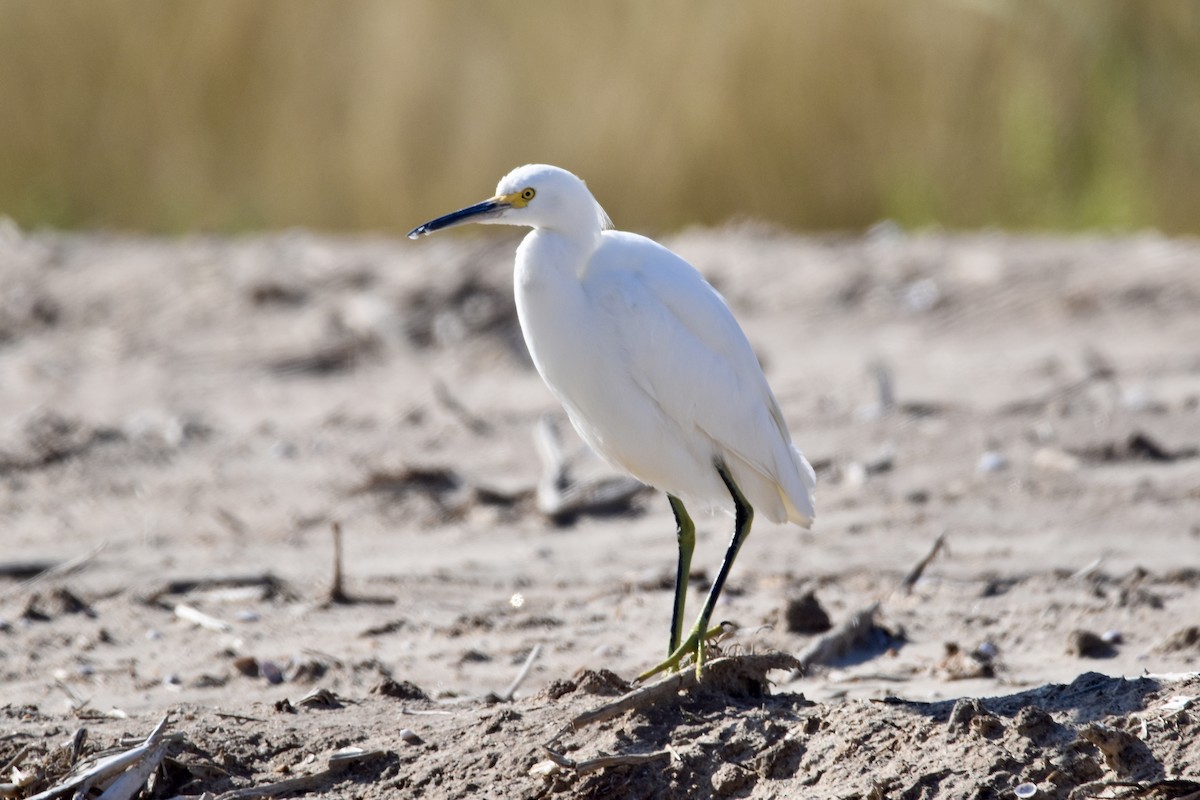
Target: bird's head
x=537 y=196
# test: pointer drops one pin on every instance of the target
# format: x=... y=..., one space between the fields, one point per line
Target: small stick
x=78 y=702
x=353 y=755
x=914 y=574
x=1088 y=570
x=58 y=569
x=507 y=694
x=419 y=713
x=289 y=786
x=884 y=385
x=198 y=617
x=268 y=581
x=474 y=423
x=593 y=764
x=26 y=569
x=133 y=779
x=238 y=717
x=134 y=741
x=336 y=594
x=78 y=740
x=14 y=761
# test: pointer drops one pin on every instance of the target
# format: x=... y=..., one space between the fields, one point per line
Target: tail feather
x=799 y=500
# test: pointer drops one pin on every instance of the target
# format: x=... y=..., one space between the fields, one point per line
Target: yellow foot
x=693 y=646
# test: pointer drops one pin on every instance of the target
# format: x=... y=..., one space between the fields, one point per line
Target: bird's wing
x=684 y=348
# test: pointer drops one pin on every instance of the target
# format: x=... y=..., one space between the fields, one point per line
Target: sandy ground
x=183 y=421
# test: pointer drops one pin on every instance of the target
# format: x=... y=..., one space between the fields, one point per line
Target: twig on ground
x=130 y=782
x=78 y=740
x=1088 y=570
x=78 y=702
x=601 y=762
x=56 y=570
x=25 y=569
x=290 y=786
x=237 y=717
x=337 y=595
x=112 y=713
x=884 y=385
x=198 y=617
x=918 y=569
x=271 y=585
x=507 y=695
x=474 y=422
x=420 y=713
x=15 y=760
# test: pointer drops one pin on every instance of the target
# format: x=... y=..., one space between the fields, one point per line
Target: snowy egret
x=651 y=367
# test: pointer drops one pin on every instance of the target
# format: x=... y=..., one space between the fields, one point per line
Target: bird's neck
x=545 y=249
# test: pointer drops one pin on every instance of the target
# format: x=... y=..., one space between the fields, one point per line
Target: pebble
x=1086 y=644
x=922 y=295
x=987 y=650
x=804 y=614
x=271 y=671
x=992 y=461
x=1052 y=459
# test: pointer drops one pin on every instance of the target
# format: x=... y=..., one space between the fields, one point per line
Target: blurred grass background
x=376 y=115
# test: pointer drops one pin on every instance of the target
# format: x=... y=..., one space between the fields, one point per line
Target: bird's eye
x=528 y=194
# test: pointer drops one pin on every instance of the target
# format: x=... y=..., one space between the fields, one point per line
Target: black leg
x=695 y=641
x=743 y=516
x=685 y=532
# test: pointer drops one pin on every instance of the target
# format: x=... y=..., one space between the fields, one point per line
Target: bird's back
x=664 y=337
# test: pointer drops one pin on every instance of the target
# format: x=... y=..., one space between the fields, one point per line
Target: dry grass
x=372 y=114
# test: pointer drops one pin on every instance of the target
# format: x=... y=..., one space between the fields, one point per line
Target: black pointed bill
x=488 y=208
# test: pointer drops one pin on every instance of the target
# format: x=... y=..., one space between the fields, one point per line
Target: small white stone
x=992 y=461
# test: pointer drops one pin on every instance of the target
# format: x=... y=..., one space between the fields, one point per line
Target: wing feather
x=685 y=349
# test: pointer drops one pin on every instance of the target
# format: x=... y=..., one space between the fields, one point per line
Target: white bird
x=651 y=367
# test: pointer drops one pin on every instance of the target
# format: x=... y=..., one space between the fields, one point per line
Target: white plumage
x=655 y=373
x=645 y=356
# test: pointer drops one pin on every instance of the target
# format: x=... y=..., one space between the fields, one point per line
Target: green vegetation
x=376 y=114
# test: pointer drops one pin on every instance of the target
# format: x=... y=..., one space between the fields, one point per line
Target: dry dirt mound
x=728 y=737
